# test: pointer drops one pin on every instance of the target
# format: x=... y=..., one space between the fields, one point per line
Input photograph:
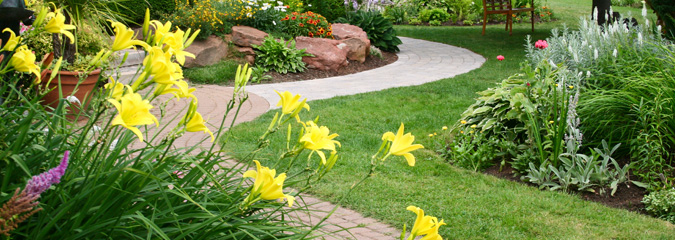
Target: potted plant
x=81 y=39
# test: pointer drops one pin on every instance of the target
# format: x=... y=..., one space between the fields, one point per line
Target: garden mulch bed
x=627 y=196
x=353 y=67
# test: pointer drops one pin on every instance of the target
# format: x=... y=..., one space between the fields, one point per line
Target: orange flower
x=542 y=15
x=321 y=31
x=301 y=25
x=514 y=15
x=310 y=34
x=293 y=18
x=284 y=19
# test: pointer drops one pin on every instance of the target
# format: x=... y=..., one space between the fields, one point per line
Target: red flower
x=321 y=31
x=311 y=34
x=541 y=44
x=500 y=58
x=288 y=6
x=293 y=18
x=284 y=19
x=301 y=25
x=329 y=33
x=295 y=13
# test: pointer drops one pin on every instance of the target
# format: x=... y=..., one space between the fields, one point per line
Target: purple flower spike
x=42 y=182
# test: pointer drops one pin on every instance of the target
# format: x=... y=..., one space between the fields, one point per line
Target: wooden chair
x=504 y=7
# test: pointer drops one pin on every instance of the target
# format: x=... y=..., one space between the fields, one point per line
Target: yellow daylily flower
x=175 y=42
x=291 y=104
x=123 y=38
x=23 y=60
x=161 y=30
x=425 y=225
x=197 y=124
x=57 y=24
x=401 y=145
x=463 y=122
x=12 y=42
x=160 y=66
x=133 y=110
x=444 y=128
x=317 y=138
x=116 y=89
x=266 y=185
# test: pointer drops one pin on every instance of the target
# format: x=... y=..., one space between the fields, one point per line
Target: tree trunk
x=62 y=45
x=602 y=8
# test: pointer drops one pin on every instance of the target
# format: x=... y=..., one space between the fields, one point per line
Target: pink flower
x=541 y=44
x=500 y=58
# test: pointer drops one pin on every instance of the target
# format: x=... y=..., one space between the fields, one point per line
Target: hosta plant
x=280 y=56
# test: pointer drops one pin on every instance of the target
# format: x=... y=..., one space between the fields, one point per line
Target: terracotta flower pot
x=68 y=81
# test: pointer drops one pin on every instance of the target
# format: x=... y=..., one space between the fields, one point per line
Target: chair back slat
x=496 y=5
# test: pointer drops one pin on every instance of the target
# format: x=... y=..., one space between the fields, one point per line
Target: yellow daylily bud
x=242 y=77
x=146 y=23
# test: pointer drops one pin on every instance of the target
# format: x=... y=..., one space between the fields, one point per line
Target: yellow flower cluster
x=202 y=11
x=160 y=72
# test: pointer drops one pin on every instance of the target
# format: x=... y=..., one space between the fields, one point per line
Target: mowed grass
x=474 y=205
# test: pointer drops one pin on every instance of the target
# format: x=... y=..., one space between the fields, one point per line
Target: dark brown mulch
x=627 y=196
x=353 y=67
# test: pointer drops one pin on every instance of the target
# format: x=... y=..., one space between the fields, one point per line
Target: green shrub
x=202 y=15
x=135 y=9
x=280 y=56
x=380 y=30
x=414 y=21
x=435 y=14
x=434 y=23
x=306 y=24
x=395 y=14
x=330 y=9
x=661 y=204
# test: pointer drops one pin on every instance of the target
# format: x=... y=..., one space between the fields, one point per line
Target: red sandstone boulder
x=207 y=52
x=246 y=36
x=328 y=54
x=355 y=38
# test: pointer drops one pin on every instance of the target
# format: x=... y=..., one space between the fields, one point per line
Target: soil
x=353 y=67
x=627 y=196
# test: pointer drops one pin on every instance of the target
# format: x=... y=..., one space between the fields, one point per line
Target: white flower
x=644 y=10
x=595 y=53
x=73 y=99
x=280 y=3
x=96 y=128
x=309 y=5
x=615 y=53
x=640 y=38
x=588 y=73
x=274 y=22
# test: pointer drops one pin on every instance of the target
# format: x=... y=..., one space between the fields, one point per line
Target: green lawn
x=474 y=205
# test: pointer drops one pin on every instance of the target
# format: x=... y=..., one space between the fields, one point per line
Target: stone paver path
x=419 y=62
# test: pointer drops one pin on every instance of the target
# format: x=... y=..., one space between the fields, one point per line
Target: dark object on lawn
x=505 y=7
x=11 y=13
x=602 y=8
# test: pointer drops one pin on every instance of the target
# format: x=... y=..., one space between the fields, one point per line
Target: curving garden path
x=419 y=62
